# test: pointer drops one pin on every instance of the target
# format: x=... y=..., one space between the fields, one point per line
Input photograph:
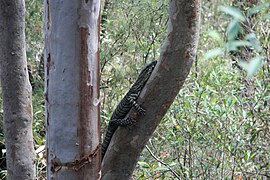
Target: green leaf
x=230 y=148
x=266 y=16
x=143 y=164
x=233 y=45
x=173 y=164
x=256 y=9
x=161 y=168
x=233 y=29
x=247 y=155
x=234 y=12
x=251 y=37
x=244 y=114
x=252 y=66
x=253 y=155
x=231 y=102
x=215 y=35
x=253 y=137
x=213 y=53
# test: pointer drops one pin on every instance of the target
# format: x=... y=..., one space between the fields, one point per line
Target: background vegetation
x=218 y=125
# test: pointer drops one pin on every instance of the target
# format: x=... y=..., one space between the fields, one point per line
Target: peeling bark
x=72 y=89
x=177 y=55
x=17 y=92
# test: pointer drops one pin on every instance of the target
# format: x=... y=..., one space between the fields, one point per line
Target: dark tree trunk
x=17 y=92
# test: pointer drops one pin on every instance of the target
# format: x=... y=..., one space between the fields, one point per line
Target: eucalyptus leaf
x=213 y=53
x=251 y=37
x=234 y=12
x=252 y=66
x=233 y=45
x=233 y=29
x=143 y=164
x=258 y=8
x=266 y=16
x=161 y=168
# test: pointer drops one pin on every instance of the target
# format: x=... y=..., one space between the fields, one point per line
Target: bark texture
x=177 y=55
x=71 y=89
x=17 y=91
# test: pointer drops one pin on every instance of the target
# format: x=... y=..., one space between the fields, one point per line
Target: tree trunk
x=177 y=55
x=17 y=92
x=72 y=89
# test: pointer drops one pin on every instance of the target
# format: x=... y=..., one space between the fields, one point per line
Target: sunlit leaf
x=233 y=29
x=173 y=164
x=256 y=9
x=233 y=45
x=252 y=66
x=266 y=16
x=161 y=168
x=213 y=53
x=234 y=12
x=253 y=155
x=215 y=35
x=143 y=164
x=230 y=147
x=251 y=37
x=247 y=155
x=244 y=114
x=231 y=102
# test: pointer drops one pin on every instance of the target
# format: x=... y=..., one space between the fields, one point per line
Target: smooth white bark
x=71 y=89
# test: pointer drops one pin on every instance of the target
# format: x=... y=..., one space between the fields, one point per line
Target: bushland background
x=218 y=125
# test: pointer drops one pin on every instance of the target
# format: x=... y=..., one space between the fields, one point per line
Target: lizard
x=119 y=116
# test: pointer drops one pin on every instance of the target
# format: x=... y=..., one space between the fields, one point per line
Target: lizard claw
x=141 y=111
x=131 y=121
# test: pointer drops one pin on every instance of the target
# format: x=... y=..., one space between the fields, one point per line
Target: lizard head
x=144 y=76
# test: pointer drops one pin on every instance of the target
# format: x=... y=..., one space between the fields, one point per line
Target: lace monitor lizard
x=119 y=116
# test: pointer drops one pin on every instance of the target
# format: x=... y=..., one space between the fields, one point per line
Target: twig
x=165 y=164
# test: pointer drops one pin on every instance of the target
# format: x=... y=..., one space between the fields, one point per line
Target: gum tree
x=17 y=91
x=71 y=89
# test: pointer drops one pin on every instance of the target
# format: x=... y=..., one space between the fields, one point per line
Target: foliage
x=34 y=41
x=241 y=25
x=34 y=52
x=218 y=126
x=134 y=31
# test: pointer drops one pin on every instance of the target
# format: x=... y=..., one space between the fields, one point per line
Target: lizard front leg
x=134 y=104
